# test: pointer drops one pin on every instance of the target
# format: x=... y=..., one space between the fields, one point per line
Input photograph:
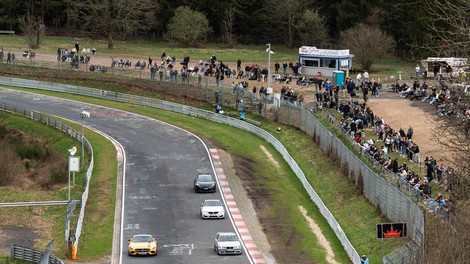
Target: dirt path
x=270 y=157
x=330 y=255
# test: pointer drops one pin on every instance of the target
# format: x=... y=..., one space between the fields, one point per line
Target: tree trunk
x=110 y=40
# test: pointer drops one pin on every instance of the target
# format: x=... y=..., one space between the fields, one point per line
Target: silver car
x=212 y=209
x=227 y=243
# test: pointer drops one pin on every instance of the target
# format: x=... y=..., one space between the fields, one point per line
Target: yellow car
x=142 y=245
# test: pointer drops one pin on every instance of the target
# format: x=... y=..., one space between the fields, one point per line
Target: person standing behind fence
x=366 y=76
x=216 y=95
x=409 y=133
x=254 y=93
x=150 y=62
x=13 y=58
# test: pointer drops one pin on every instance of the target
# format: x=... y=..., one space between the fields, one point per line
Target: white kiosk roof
x=313 y=51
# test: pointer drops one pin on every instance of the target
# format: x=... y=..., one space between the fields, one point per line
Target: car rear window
x=212 y=203
x=205 y=178
x=228 y=238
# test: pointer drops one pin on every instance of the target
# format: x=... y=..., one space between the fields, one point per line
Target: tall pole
x=83 y=148
x=269 y=65
x=69 y=183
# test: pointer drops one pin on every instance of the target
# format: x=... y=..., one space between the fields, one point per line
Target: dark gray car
x=204 y=183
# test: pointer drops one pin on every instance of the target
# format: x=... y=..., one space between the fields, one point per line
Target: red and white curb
x=240 y=224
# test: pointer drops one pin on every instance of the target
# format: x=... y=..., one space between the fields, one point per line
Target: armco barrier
x=31 y=255
x=73 y=133
x=351 y=251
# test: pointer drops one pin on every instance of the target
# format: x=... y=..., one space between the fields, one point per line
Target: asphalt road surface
x=162 y=162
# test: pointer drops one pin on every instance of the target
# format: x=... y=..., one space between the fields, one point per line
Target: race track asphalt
x=161 y=163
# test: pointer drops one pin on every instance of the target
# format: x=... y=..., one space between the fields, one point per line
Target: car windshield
x=142 y=239
x=212 y=203
x=228 y=237
x=204 y=178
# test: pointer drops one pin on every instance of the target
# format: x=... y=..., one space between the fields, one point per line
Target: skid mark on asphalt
x=240 y=224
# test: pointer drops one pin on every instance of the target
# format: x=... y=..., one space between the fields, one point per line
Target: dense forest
x=289 y=22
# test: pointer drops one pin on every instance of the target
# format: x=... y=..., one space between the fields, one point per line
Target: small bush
x=9 y=165
x=59 y=174
x=32 y=151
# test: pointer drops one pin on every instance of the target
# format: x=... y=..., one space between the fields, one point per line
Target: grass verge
x=144 y=49
x=96 y=239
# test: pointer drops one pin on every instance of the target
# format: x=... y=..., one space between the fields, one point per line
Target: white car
x=212 y=209
x=227 y=243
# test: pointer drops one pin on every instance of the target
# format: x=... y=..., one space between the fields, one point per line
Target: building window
x=328 y=63
x=310 y=63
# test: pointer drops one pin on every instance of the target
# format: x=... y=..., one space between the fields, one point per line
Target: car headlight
x=213 y=184
x=221 y=247
x=237 y=247
x=153 y=247
x=130 y=247
x=197 y=184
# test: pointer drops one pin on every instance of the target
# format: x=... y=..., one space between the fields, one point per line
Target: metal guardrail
x=37 y=203
x=192 y=111
x=31 y=255
x=71 y=132
x=8 y=32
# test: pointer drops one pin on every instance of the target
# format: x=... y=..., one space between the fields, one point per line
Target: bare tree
x=113 y=18
x=449 y=33
x=367 y=43
x=282 y=16
x=227 y=23
x=311 y=28
x=34 y=31
x=448 y=242
x=188 y=27
x=448 y=36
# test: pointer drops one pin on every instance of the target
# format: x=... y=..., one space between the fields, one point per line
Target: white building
x=323 y=62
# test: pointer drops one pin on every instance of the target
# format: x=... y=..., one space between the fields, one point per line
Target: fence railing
x=390 y=201
x=203 y=114
x=386 y=197
x=403 y=185
x=31 y=255
x=73 y=133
